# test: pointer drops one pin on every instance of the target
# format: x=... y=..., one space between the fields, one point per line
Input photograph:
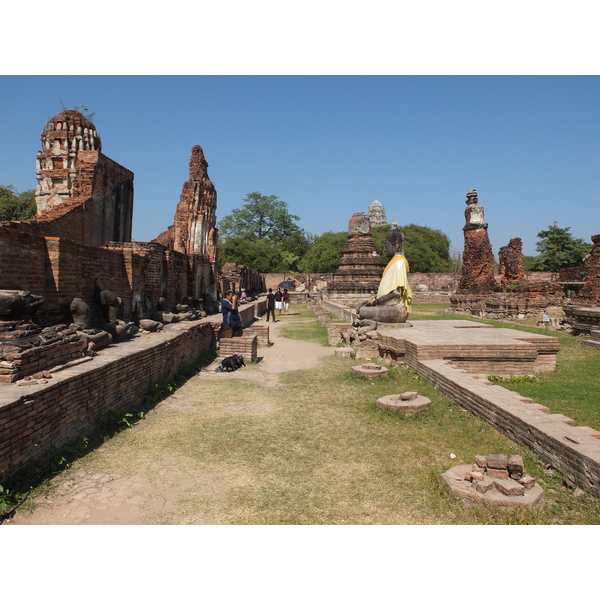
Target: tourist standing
x=271 y=304
x=286 y=301
x=278 y=298
x=235 y=321
x=226 y=307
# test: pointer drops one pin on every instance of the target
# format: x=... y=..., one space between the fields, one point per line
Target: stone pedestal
x=408 y=402
x=371 y=371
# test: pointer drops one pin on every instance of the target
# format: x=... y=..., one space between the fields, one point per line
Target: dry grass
x=310 y=447
x=314 y=450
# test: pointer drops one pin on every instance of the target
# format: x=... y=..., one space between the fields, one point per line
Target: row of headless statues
x=391 y=305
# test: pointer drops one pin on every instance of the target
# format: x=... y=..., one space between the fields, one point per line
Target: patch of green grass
x=311 y=330
x=433 y=312
x=572 y=389
x=306 y=332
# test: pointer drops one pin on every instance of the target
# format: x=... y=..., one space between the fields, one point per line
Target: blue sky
x=330 y=145
x=527 y=138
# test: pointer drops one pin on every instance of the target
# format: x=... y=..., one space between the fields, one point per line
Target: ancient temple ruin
x=509 y=294
x=194 y=226
x=478 y=259
x=77 y=252
x=73 y=284
x=583 y=311
x=71 y=170
x=511 y=263
x=360 y=268
x=377 y=214
x=194 y=231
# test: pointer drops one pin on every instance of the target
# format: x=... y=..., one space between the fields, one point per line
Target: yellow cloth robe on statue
x=395 y=276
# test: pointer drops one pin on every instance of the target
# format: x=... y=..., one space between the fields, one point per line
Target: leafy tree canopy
x=261 y=218
x=427 y=250
x=260 y=256
x=529 y=263
x=558 y=249
x=324 y=255
x=16 y=206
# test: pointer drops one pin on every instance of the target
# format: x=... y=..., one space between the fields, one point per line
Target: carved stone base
x=371 y=371
x=396 y=403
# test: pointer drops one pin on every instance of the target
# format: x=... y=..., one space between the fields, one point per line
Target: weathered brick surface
x=511 y=262
x=478 y=259
x=34 y=420
x=360 y=267
x=236 y=277
x=573 y=450
x=246 y=345
x=261 y=331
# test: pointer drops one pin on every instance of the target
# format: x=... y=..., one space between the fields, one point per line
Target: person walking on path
x=271 y=304
x=278 y=298
x=286 y=301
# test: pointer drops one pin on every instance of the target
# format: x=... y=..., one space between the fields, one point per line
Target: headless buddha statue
x=394 y=296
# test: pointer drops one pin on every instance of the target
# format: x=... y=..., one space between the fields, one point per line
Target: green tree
x=261 y=218
x=558 y=249
x=260 y=256
x=427 y=250
x=324 y=255
x=529 y=263
x=294 y=248
x=15 y=206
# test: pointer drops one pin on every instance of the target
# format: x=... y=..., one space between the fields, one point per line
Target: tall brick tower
x=71 y=170
x=478 y=258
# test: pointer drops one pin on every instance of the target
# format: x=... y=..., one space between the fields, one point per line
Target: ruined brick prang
x=236 y=277
x=194 y=230
x=81 y=194
x=511 y=262
x=478 y=259
x=194 y=226
x=360 y=268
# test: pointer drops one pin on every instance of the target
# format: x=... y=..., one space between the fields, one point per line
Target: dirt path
x=84 y=496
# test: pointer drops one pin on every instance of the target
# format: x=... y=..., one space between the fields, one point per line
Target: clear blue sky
x=330 y=145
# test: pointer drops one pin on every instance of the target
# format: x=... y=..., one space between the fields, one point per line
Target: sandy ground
x=82 y=497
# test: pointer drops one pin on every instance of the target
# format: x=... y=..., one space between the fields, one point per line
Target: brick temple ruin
x=73 y=286
x=360 y=268
x=583 y=312
x=511 y=294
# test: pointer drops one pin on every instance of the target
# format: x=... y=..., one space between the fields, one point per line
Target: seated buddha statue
x=394 y=296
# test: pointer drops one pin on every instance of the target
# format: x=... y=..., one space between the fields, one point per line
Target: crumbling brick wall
x=72 y=404
x=511 y=262
x=590 y=293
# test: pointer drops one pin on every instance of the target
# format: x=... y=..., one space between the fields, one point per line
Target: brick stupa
x=478 y=258
x=360 y=268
